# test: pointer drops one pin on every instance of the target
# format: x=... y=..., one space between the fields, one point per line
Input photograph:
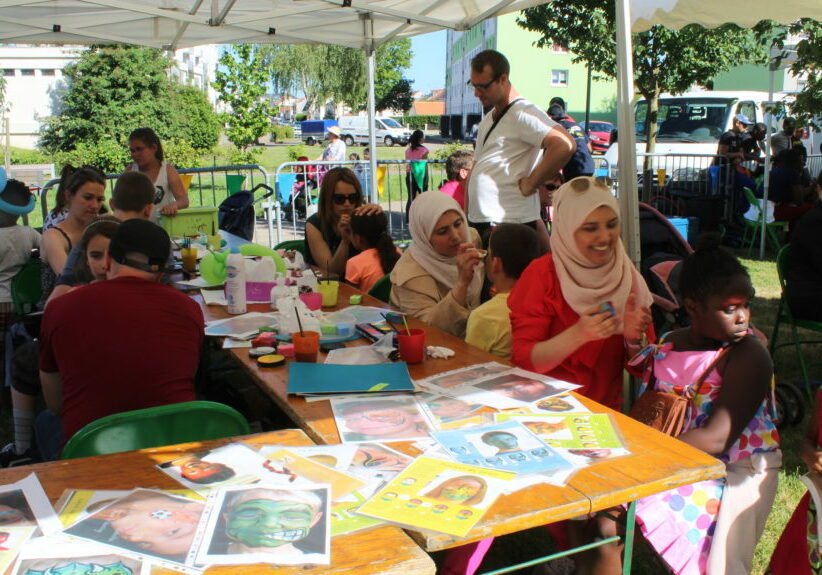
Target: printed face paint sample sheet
x=379 y=419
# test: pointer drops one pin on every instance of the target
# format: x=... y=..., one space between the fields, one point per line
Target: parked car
x=388 y=131
x=600 y=135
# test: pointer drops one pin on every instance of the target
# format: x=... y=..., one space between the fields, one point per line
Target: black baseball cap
x=135 y=238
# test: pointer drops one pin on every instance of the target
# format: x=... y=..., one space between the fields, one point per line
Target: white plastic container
x=235 y=282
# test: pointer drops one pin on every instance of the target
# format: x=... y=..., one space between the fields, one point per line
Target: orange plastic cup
x=306 y=346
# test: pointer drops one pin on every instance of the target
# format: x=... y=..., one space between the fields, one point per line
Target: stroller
x=662 y=250
x=236 y=212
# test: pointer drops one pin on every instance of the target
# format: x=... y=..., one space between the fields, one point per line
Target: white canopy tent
x=363 y=24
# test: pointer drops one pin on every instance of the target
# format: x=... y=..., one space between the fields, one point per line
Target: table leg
x=630 y=524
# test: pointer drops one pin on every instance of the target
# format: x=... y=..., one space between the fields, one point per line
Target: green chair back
x=382 y=289
x=298 y=245
x=155 y=427
x=26 y=289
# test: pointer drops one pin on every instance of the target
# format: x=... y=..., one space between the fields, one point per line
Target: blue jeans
x=48 y=435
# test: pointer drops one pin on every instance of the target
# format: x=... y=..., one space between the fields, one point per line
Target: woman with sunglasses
x=328 y=232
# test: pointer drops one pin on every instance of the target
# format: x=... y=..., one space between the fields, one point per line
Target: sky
x=428 y=63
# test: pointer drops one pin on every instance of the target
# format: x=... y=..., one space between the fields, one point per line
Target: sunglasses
x=482 y=87
x=352 y=199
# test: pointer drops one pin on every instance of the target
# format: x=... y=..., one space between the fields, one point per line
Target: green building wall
x=531 y=70
x=749 y=77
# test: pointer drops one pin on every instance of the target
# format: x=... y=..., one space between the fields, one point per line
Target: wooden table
x=381 y=550
x=657 y=463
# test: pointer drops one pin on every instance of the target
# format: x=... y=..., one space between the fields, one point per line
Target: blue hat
x=743 y=119
x=18 y=190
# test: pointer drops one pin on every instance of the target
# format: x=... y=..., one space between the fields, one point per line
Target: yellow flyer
x=438 y=495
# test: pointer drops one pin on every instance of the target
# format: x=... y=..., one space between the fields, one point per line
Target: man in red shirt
x=126 y=343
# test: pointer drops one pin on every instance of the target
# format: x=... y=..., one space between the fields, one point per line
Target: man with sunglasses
x=518 y=148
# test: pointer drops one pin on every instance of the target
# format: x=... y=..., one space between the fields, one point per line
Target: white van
x=388 y=131
x=692 y=123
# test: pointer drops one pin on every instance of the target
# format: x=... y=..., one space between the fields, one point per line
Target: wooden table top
x=657 y=463
x=381 y=550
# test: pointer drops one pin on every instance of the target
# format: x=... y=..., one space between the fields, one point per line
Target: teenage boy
x=457 y=168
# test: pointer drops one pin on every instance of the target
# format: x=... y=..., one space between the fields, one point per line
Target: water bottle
x=235 y=282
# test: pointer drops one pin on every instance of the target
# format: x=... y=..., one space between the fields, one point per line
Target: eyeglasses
x=482 y=87
x=352 y=199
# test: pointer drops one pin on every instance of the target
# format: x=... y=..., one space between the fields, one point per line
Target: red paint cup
x=412 y=347
x=306 y=346
x=312 y=300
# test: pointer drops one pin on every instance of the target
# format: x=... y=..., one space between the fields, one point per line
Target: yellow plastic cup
x=329 y=291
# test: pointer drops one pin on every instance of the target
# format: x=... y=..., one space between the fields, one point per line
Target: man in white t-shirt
x=518 y=148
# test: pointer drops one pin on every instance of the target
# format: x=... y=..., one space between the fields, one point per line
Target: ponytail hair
x=71 y=180
x=374 y=230
x=711 y=270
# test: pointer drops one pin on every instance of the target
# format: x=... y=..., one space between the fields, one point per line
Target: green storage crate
x=191 y=222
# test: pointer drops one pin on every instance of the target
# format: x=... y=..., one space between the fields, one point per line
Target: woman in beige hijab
x=438 y=279
x=578 y=312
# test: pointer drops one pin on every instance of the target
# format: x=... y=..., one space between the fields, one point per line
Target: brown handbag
x=666 y=411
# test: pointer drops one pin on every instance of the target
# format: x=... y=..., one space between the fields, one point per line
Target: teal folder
x=322 y=378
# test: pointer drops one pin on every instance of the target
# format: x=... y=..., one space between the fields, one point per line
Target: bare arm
x=55 y=250
x=558 y=147
x=808 y=450
x=332 y=263
x=746 y=380
x=52 y=390
x=592 y=325
x=178 y=190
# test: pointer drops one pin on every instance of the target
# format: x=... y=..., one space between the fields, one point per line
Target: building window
x=8 y=72
x=27 y=72
x=47 y=72
x=559 y=77
x=557 y=48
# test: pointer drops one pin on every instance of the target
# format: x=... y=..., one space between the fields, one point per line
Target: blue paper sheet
x=321 y=378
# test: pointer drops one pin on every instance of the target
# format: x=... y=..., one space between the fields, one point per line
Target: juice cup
x=306 y=346
x=189 y=257
x=412 y=347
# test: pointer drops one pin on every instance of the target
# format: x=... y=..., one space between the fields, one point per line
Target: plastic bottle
x=235 y=282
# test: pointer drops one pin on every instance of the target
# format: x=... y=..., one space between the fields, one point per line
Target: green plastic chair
x=155 y=427
x=298 y=245
x=755 y=226
x=784 y=314
x=382 y=289
x=26 y=289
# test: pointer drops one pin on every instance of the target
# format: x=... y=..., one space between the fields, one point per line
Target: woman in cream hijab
x=438 y=279
x=578 y=312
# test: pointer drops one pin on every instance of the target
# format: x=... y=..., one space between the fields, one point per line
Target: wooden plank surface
x=657 y=463
x=381 y=550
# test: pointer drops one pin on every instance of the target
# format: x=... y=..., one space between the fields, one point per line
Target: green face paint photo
x=267 y=523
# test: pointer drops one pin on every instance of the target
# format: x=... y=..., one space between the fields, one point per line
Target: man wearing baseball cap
x=126 y=343
x=730 y=143
x=335 y=150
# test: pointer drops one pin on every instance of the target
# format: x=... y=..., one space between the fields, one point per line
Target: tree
x=399 y=97
x=109 y=91
x=241 y=80
x=664 y=60
x=807 y=103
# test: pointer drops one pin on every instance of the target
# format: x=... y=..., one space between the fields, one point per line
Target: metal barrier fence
x=814 y=165
x=687 y=185
x=298 y=187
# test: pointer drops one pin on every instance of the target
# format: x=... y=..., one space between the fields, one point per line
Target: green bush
x=182 y=153
x=419 y=122
x=448 y=149
x=297 y=151
x=237 y=156
x=19 y=156
x=280 y=133
x=106 y=154
x=300 y=117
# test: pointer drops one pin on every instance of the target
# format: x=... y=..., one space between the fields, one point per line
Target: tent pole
x=768 y=133
x=628 y=197
x=372 y=134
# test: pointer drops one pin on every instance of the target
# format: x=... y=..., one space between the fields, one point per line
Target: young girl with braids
x=378 y=254
x=713 y=526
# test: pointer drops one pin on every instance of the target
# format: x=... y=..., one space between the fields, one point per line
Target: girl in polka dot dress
x=797 y=552
x=712 y=527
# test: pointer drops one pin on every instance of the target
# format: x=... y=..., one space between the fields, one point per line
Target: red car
x=600 y=135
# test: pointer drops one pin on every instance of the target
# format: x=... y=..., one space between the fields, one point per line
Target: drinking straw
x=388 y=321
x=299 y=323
x=405 y=323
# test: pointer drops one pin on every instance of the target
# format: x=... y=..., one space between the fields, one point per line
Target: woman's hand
x=468 y=258
x=595 y=324
x=368 y=210
x=169 y=209
x=813 y=461
x=635 y=320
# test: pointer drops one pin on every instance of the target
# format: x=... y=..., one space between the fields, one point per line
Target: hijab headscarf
x=426 y=211
x=583 y=283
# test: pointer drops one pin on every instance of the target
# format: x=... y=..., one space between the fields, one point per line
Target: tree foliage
x=664 y=60
x=109 y=91
x=242 y=80
x=807 y=103
x=322 y=72
x=398 y=97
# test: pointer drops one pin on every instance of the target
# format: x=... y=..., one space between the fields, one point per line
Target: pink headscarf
x=584 y=284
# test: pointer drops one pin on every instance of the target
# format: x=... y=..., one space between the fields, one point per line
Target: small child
x=457 y=168
x=511 y=248
x=713 y=526
x=369 y=234
x=16 y=245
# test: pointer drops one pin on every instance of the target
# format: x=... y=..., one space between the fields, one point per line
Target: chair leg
x=798 y=345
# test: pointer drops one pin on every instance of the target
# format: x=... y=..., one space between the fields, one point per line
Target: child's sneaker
x=10 y=458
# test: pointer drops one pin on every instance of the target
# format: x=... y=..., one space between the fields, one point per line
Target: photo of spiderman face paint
x=145 y=521
x=374 y=460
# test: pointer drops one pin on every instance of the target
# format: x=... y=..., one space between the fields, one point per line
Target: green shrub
x=106 y=154
x=419 y=122
x=448 y=149
x=280 y=133
x=301 y=117
x=237 y=156
x=297 y=151
x=19 y=156
x=182 y=154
